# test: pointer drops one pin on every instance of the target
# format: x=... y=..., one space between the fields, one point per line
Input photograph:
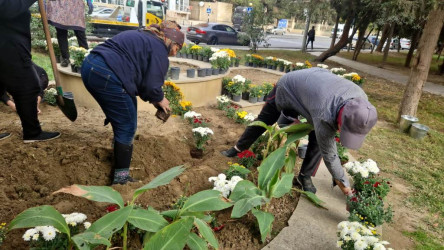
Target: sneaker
x=4 y=136
x=306 y=183
x=232 y=152
x=64 y=63
x=43 y=136
x=125 y=181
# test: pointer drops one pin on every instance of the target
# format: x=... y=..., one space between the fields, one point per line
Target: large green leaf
x=297 y=128
x=244 y=189
x=269 y=166
x=272 y=182
x=241 y=170
x=313 y=198
x=265 y=221
x=147 y=220
x=94 y=193
x=296 y=134
x=85 y=241
x=111 y=223
x=171 y=237
x=283 y=186
x=260 y=124
x=170 y=213
x=162 y=179
x=194 y=242
x=290 y=161
x=206 y=232
x=242 y=207
x=207 y=200
x=40 y=216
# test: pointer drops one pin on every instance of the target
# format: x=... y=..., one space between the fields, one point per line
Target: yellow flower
x=241 y=114
x=230 y=83
x=374 y=232
x=308 y=64
x=196 y=47
x=174 y=115
x=258 y=57
x=229 y=163
x=229 y=52
x=356 y=78
x=185 y=104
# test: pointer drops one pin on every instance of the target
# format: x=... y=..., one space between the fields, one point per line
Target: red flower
x=217 y=229
x=112 y=208
x=376 y=184
x=196 y=120
x=337 y=139
x=246 y=154
x=354 y=199
x=367 y=182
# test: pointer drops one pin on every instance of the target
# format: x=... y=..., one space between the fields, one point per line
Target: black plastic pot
x=215 y=71
x=201 y=72
x=191 y=73
x=209 y=71
x=175 y=71
x=270 y=66
x=245 y=95
x=179 y=54
x=302 y=150
x=189 y=56
x=199 y=57
x=236 y=64
x=206 y=59
x=195 y=57
x=247 y=64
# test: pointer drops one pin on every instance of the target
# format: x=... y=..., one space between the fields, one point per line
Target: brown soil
x=257 y=77
x=29 y=173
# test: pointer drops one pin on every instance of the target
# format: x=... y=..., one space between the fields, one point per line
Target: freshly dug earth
x=29 y=173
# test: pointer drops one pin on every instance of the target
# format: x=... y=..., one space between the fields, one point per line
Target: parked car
x=102 y=12
x=404 y=43
x=277 y=31
x=367 y=45
x=212 y=33
x=374 y=41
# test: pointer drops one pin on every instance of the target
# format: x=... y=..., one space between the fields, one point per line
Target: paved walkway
x=383 y=73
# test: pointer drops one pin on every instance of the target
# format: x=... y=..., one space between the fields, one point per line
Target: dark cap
x=358 y=118
x=172 y=31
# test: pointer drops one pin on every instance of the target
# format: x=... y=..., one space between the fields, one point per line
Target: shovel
x=65 y=101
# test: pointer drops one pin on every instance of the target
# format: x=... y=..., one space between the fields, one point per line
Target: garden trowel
x=65 y=101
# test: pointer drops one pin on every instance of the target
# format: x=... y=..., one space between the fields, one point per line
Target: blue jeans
x=120 y=108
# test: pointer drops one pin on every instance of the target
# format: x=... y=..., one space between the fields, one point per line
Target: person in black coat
x=17 y=75
x=311 y=37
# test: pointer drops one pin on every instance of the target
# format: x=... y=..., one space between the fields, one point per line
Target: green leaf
x=170 y=213
x=265 y=221
x=194 y=242
x=206 y=232
x=269 y=166
x=290 y=161
x=296 y=134
x=207 y=200
x=272 y=182
x=162 y=179
x=260 y=124
x=297 y=128
x=241 y=170
x=171 y=237
x=242 y=207
x=147 y=220
x=85 y=241
x=283 y=186
x=40 y=216
x=313 y=198
x=111 y=223
x=173 y=213
x=244 y=189
x=94 y=193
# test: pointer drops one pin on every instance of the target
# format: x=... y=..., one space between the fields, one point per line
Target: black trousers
x=62 y=38
x=308 y=41
x=269 y=115
x=20 y=79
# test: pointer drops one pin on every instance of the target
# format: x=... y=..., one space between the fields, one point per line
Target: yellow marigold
x=241 y=114
x=196 y=47
x=274 y=58
x=257 y=56
x=230 y=83
x=229 y=52
x=356 y=78
x=185 y=104
x=308 y=64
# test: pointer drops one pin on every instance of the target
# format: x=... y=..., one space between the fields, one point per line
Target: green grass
x=42 y=59
x=423 y=241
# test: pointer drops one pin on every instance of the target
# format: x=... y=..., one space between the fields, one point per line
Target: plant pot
x=175 y=73
x=260 y=99
x=252 y=99
x=231 y=63
x=201 y=72
x=189 y=56
x=215 y=71
x=209 y=71
x=264 y=66
x=287 y=70
x=73 y=68
x=58 y=59
x=254 y=65
x=418 y=131
x=200 y=57
x=236 y=64
x=195 y=57
x=237 y=98
x=191 y=73
x=206 y=59
x=302 y=150
x=79 y=69
x=274 y=67
x=179 y=54
x=247 y=64
x=183 y=55
x=281 y=69
x=270 y=66
x=225 y=92
x=223 y=71
x=250 y=64
x=245 y=95
x=196 y=153
x=406 y=122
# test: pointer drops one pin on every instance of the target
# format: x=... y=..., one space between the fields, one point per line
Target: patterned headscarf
x=168 y=32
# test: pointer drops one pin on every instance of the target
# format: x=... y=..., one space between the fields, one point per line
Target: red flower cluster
x=337 y=139
x=197 y=120
x=217 y=229
x=376 y=184
x=246 y=154
x=112 y=208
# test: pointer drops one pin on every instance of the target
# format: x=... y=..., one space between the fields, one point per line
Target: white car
x=278 y=31
x=102 y=12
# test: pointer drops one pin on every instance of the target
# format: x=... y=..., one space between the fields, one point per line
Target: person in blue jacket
x=132 y=63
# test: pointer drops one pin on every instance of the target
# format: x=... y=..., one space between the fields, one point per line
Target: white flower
x=219 y=54
x=286 y=63
x=249 y=117
x=322 y=66
x=191 y=114
x=214 y=49
x=223 y=99
x=87 y=224
x=239 y=78
x=211 y=179
x=355 y=236
x=378 y=246
x=384 y=242
x=339 y=243
x=370 y=240
x=202 y=131
x=222 y=177
x=371 y=166
x=54 y=41
x=345 y=231
x=342 y=225
x=364 y=173
x=236 y=179
x=48 y=232
x=299 y=64
x=36 y=237
x=360 y=245
x=29 y=233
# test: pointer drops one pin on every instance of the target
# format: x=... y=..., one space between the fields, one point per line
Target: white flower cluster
x=239 y=78
x=250 y=117
x=223 y=185
x=322 y=66
x=48 y=233
x=286 y=63
x=73 y=38
x=191 y=114
x=219 y=54
x=350 y=74
x=223 y=99
x=364 y=169
x=338 y=71
x=203 y=131
x=54 y=41
x=52 y=91
x=74 y=218
x=269 y=58
x=362 y=236
x=299 y=64
x=214 y=49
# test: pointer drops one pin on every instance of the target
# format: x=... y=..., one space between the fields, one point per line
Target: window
x=229 y=29
x=130 y=3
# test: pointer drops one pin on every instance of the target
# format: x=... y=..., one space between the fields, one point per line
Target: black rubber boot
x=65 y=62
x=306 y=183
x=122 y=161
x=232 y=152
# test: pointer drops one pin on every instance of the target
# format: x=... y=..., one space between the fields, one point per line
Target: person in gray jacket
x=329 y=103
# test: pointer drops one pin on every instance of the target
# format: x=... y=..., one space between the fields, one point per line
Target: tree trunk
x=387 y=47
x=361 y=40
x=413 y=44
x=384 y=35
x=376 y=40
x=399 y=44
x=307 y=27
x=421 y=63
x=340 y=44
x=335 y=33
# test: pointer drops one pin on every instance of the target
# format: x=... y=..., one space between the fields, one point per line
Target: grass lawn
x=419 y=163
x=42 y=59
x=395 y=61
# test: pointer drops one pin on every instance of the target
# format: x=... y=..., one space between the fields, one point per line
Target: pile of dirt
x=29 y=173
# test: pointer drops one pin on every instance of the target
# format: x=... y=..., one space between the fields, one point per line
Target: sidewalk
x=383 y=73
